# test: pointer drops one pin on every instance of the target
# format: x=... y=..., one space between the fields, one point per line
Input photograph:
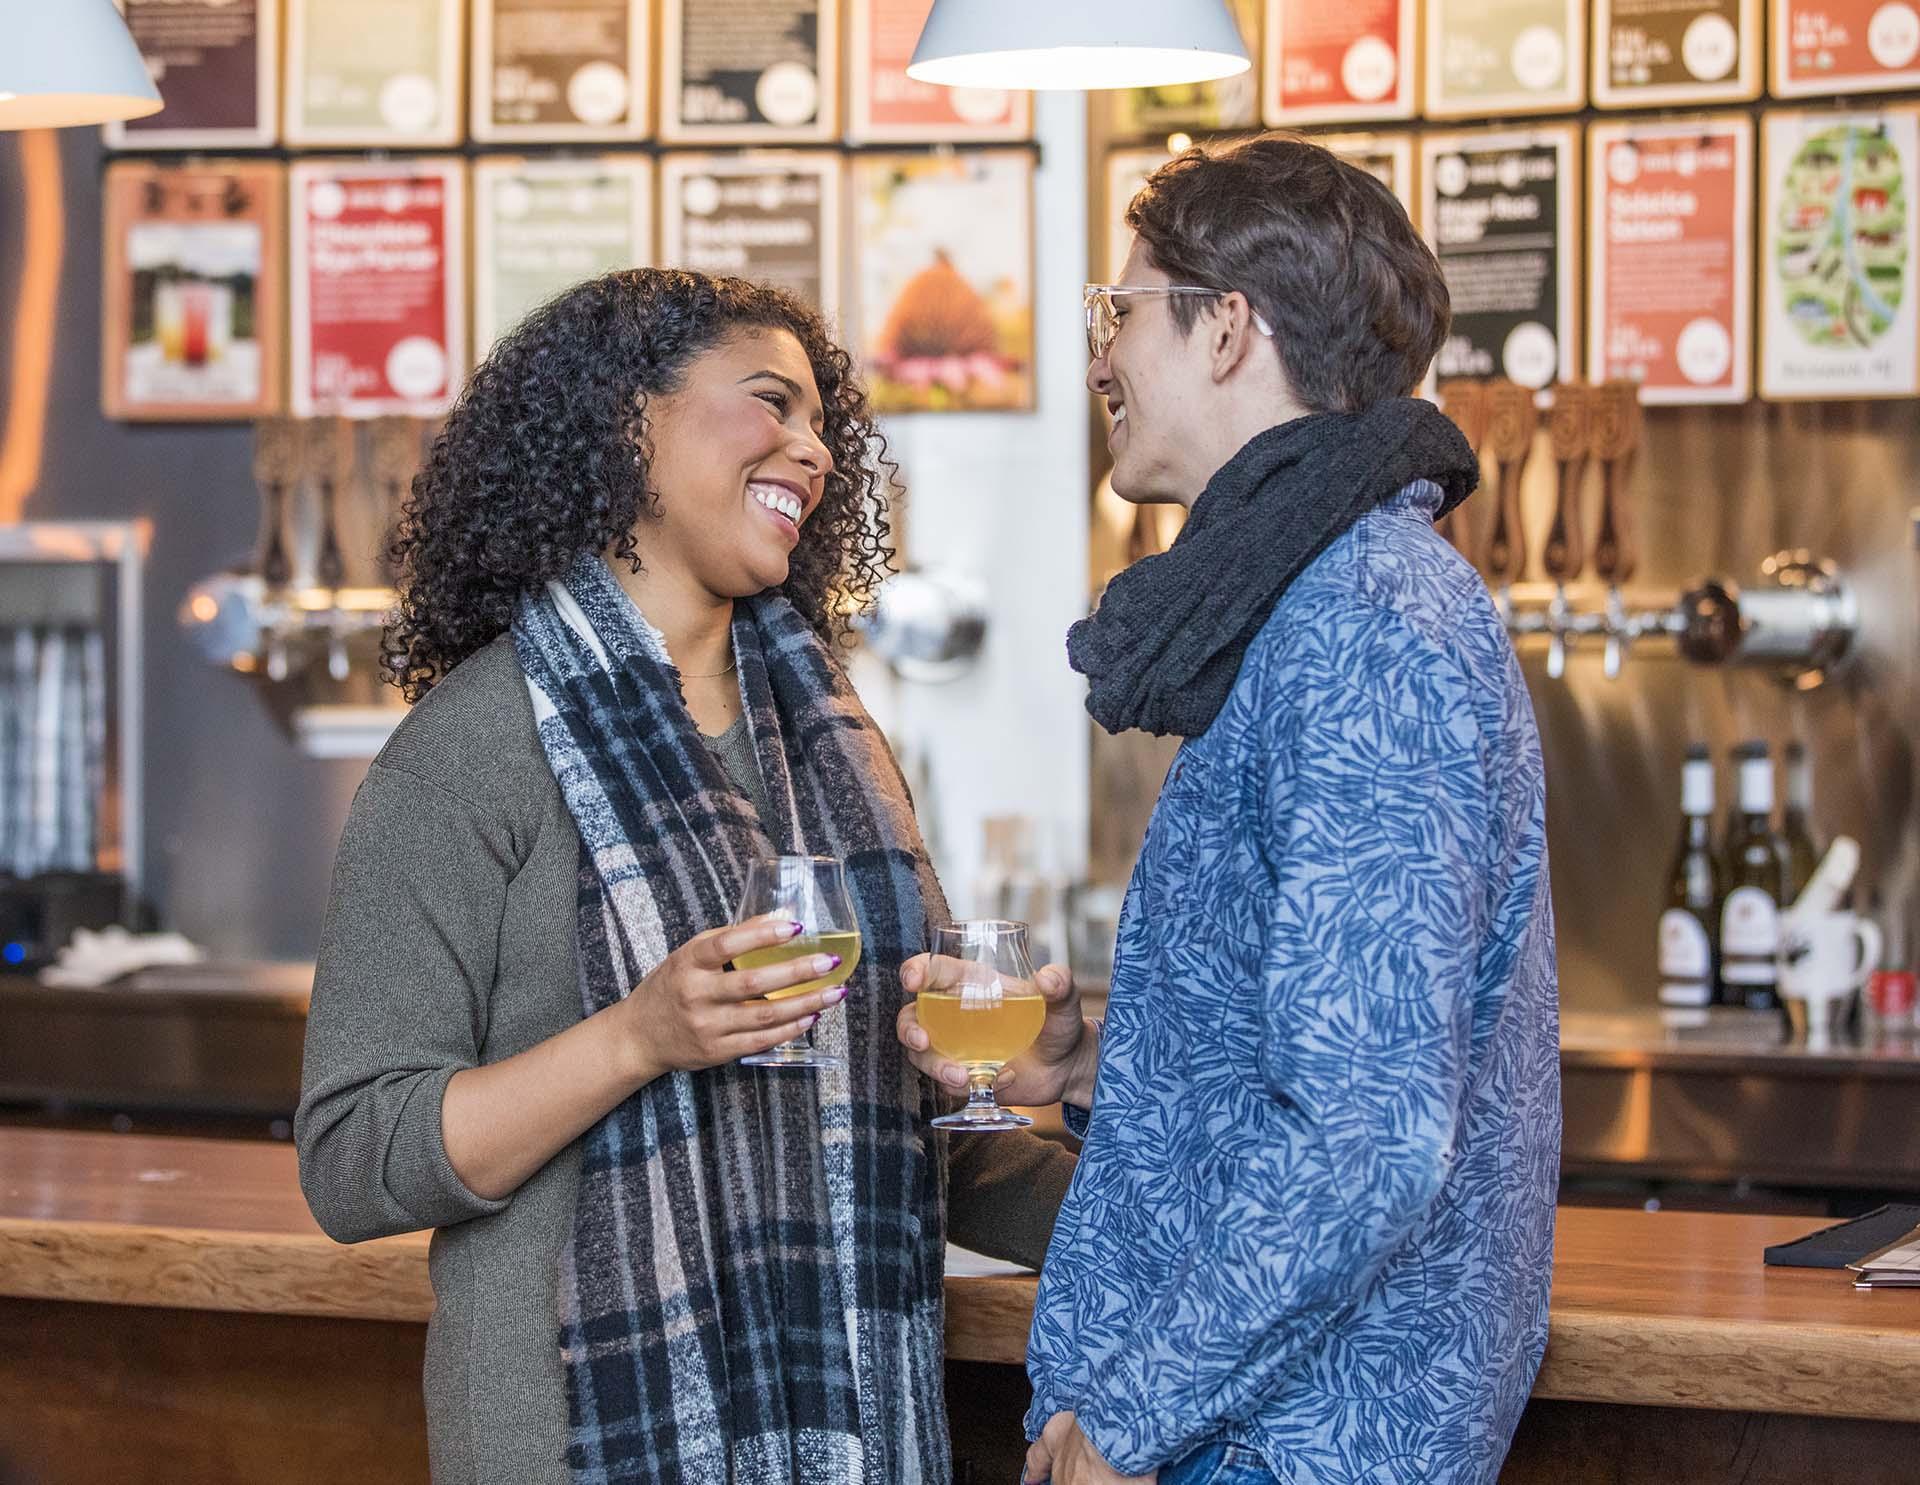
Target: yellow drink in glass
x=978 y=1029
x=846 y=945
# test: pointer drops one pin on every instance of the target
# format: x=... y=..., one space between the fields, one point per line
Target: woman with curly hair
x=621 y=570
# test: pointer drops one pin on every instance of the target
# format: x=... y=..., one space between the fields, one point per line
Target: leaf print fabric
x=1314 y=1211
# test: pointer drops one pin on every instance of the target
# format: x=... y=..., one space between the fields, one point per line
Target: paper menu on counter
x=1670 y=242
x=1894 y=1266
x=1346 y=63
x=1839 y=213
x=561 y=70
x=1823 y=47
x=217 y=65
x=1649 y=52
x=1487 y=57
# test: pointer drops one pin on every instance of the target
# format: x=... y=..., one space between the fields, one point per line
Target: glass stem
x=980 y=1100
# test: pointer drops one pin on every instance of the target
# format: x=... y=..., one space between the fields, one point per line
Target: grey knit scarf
x=753 y=1289
x=1164 y=647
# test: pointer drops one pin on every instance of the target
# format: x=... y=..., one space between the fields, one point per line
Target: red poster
x=379 y=298
x=890 y=107
x=1339 y=62
x=1672 y=279
x=1821 y=47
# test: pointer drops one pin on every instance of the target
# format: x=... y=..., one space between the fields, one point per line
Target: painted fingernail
x=794 y=930
x=837 y=996
x=825 y=962
x=807 y=1025
x=836 y=962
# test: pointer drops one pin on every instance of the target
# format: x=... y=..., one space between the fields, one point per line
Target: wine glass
x=812 y=891
x=981 y=1008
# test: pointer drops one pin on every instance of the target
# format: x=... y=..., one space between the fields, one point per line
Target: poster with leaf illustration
x=1839 y=214
x=944 y=280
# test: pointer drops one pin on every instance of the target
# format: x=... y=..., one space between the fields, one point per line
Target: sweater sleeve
x=1004 y=1193
x=400 y=993
x=1374 y=818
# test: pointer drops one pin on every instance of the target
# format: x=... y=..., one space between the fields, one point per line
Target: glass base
x=997 y=1119
x=792 y=1057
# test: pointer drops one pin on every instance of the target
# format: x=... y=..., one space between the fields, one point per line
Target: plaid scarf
x=753 y=1288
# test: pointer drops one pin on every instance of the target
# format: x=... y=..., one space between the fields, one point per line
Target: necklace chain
x=712 y=674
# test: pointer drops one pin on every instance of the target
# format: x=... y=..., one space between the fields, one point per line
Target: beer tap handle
x=1616 y=436
x=1510 y=428
x=1564 y=555
x=1467 y=404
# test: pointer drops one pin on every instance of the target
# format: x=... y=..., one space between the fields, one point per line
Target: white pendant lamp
x=65 y=62
x=1077 y=44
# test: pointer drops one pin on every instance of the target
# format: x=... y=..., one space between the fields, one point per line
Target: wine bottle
x=1688 y=940
x=1754 y=869
x=1796 y=821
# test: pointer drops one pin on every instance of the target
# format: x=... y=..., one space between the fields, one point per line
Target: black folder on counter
x=1847 y=1242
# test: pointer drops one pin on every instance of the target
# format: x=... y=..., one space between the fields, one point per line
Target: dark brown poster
x=749 y=71
x=560 y=69
x=1675 y=51
x=216 y=64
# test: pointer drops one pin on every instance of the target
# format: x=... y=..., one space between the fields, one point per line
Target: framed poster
x=888 y=107
x=217 y=65
x=773 y=217
x=194 y=292
x=1388 y=158
x=1656 y=52
x=944 y=280
x=1185 y=108
x=1127 y=172
x=1670 y=286
x=1837 y=228
x=378 y=287
x=560 y=70
x=749 y=71
x=373 y=72
x=1500 y=210
x=541 y=226
x=1338 y=63
x=1505 y=56
x=1823 y=47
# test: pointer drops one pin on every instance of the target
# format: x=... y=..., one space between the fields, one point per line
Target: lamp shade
x=1077 y=44
x=66 y=62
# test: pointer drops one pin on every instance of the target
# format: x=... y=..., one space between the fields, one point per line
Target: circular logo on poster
x=597 y=93
x=979 y=105
x=410 y=103
x=1623 y=164
x=512 y=199
x=1704 y=352
x=1539 y=58
x=700 y=196
x=326 y=199
x=1450 y=175
x=1709 y=47
x=1893 y=35
x=1368 y=70
x=787 y=95
x=1531 y=355
x=417 y=368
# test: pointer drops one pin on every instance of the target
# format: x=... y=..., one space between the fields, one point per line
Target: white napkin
x=94 y=959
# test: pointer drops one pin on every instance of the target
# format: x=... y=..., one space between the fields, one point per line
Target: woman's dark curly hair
x=545 y=456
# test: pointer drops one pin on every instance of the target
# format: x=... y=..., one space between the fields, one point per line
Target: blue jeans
x=1218 y=1464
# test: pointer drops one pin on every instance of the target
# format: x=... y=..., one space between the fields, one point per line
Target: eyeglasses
x=1103 y=320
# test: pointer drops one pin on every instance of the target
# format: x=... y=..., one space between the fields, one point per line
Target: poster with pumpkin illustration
x=944 y=281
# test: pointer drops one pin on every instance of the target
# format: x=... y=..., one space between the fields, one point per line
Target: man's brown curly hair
x=545 y=456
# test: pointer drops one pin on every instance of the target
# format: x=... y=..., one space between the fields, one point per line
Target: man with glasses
x=1311 y=1232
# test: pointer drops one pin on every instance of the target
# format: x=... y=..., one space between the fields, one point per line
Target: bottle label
x=1749 y=935
x=1685 y=953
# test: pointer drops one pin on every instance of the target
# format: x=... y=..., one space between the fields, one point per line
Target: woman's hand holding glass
x=694 y=1012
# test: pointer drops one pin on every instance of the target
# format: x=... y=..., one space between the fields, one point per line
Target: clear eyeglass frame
x=1103 y=320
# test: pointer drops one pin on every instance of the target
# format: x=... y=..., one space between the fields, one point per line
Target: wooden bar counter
x=169 y=1312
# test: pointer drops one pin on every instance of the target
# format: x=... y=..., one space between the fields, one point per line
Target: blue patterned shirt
x=1314 y=1211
